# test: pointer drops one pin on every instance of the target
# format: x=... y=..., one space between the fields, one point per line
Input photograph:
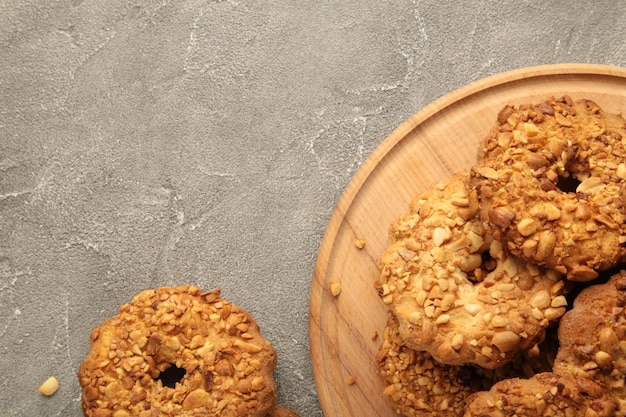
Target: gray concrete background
x=150 y=143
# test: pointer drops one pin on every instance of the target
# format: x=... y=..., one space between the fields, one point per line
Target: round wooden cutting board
x=438 y=141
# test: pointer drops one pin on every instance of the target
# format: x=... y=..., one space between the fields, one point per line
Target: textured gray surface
x=207 y=142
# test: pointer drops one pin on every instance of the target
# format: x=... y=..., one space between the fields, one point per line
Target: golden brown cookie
x=415 y=384
x=418 y=386
x=543 y=395
x=589 y=373
x=458 y=294
x=593 y=337
x=178 y=352
x=551 y=178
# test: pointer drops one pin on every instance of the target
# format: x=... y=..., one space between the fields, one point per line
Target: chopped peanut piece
x=335 y=288
x=49 y=387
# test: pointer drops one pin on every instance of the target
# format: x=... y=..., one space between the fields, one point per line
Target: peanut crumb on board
x=359 y=243
x=375 y=335
x=351 y=380
x=335 y=288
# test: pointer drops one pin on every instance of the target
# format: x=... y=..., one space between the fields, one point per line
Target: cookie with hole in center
x=551 y=178
x=457 y=292
x=179 y=352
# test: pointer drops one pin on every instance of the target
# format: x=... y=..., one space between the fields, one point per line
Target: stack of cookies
x=480 y=273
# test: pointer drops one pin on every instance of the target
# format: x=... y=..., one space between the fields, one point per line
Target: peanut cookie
x=590 y=366
x=551 y=178
x=593 y=337
x=179 y=352
x=458 y=293
x=544 y=395
x=418 y=386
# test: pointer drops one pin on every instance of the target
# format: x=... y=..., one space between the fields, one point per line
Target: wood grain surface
x=440 y=140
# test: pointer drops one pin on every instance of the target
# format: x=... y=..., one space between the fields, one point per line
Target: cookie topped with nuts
x=544 y=395
x=551 y=178
x=593 y=337
x=419 y=386
x=416 y=384
x=481 y=266
x=590 y=366
x=457 y=292
x=179 y=352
